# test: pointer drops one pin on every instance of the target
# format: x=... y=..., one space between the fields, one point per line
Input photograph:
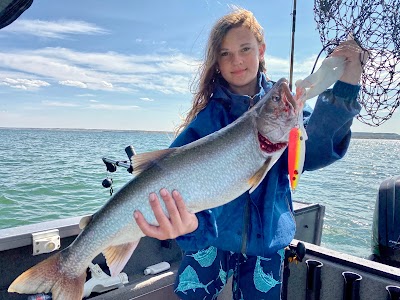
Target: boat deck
x=16 y=257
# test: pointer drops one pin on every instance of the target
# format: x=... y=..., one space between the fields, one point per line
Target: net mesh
x=375 y=25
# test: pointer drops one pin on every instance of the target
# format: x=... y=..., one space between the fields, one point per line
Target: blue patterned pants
x=203 y=274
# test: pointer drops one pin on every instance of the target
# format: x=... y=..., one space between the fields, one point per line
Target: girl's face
x=239 y=59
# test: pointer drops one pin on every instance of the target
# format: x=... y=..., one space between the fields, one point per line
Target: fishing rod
x=292 y=44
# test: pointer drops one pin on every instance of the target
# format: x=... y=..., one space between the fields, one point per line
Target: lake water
x=50 y=174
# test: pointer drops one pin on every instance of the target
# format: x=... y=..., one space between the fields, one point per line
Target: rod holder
x=351 y=289
x=130 y=151
x=313 y=288
x=393 y=292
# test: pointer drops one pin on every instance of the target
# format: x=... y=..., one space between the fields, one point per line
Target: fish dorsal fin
x=256 y=179
x=144 y=161
x=85 y=221
x=117 y=256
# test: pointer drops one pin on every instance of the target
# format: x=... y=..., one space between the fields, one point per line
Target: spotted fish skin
x=209 y=172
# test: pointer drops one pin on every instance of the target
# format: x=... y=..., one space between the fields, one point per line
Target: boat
x=321 y=274
x=311 y=271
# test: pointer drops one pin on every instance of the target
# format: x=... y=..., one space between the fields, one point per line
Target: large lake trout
x=209 y=172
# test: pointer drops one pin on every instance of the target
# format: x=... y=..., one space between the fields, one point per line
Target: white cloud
x=169 y=73
x=107 y=71
x=146 y=99
x=113 y=107
x=279 y=67
x=59 y=104
x=178 y=64
x=150 y=42
x=73 y=83
x=85 y=95
x=54 y=29
x=24 y=84
x=106 y=84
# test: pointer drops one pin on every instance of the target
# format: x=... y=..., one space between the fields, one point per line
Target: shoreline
x=354 y=135
x=375 y=136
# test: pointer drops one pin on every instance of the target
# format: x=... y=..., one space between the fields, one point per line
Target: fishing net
x=375 y=25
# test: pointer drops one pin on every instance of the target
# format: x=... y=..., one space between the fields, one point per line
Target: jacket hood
x=238 y=104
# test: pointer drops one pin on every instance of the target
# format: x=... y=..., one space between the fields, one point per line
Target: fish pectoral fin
x=118 y=255
x=259 y=175
x=85 y=221
x=47 y=277
x=144 y=161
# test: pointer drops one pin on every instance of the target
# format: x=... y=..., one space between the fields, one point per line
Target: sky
x=132 y=65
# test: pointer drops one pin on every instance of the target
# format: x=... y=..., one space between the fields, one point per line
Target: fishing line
x=319 y=54
x=375 y=25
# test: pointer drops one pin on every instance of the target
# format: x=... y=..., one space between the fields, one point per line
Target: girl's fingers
x=189 y=221
x=161 y=218
x=174 y=213
x=180 y=220
x=145 y=227
x=180 y=204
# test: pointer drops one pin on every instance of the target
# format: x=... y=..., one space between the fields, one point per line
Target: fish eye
x=276 y=98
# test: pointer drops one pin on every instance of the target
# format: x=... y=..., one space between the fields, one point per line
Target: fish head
x=277 y=114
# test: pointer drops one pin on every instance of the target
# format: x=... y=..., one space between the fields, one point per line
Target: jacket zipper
x=251 y=101
x=247 y=207
x=290 y=210
x=245 y=226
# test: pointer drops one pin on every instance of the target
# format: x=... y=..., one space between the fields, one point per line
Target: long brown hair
x=207 y=74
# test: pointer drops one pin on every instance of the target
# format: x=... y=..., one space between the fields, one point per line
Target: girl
x=246 y=237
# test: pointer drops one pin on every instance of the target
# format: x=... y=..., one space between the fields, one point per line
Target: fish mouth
x=289 y=99
x=267 y=146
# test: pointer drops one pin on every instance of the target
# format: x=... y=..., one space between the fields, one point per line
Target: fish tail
x=206 y=287
x=47 y=277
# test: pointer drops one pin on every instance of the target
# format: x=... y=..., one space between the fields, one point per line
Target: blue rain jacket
x=261 y=223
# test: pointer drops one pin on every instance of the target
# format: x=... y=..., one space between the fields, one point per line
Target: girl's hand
x=355 y=58
x=179 y=222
